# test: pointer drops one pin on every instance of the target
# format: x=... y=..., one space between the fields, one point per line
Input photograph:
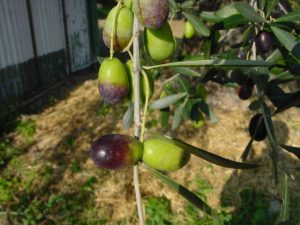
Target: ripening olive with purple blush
x=151 y=13
x=264 y=42
x=116 y=151
x=113 y=81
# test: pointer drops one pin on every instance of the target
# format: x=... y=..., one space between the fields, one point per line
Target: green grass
x=26 y=128
x=7 y=152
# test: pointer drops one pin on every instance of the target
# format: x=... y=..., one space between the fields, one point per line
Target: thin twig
x=282 y=8
x=137 y=119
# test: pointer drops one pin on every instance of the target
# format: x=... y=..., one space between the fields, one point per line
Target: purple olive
x=245 y=92
x=264 y=42
x=151 y=13
x=116 y=151
x=257 y=124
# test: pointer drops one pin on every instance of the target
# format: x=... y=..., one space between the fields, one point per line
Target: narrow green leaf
x=234 y=21
x=183 y=191
x=291 y=149
x=283 y=217
x=213 y=158
x=288 y=40
x=290 y=17
x=274 y=57
x=208 y=111
x=247 y=150
x=213 y=62
x=187 y=71
x=270 y=6
x=128 y=117
x=167 y=101
x=227 y=10
x=178 y=116
x=292 y=101
x=187 y=4
x=210 y=17
x=255 y=105
x=164 y=117
x=198 y=24
x=271 y=137
x=249 y=13
x=262 y=4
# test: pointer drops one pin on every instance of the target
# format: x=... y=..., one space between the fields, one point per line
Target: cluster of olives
x=117 y=151
x=115 y=79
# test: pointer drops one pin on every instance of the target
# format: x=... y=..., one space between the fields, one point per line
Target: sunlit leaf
x=210 y=17
x=288 y=40
x=167 y=101
x=290 y=17
x=249 y=13
x=178 y=116
x=227 y=11
x=183 y=191
x=187 y=71
x=128 y=117
x=274 y=56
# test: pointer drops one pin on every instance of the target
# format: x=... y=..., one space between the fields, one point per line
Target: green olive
x=143 y=87
x=163 y=154
x=123 y=28
x=113 y=80
x=189 y=30
x=159 y=43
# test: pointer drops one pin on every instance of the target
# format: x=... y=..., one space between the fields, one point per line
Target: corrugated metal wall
x=16 y=49
x=40 y=41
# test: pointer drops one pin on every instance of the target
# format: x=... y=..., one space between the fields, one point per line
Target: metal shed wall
x=42 y=40
x=17 y=71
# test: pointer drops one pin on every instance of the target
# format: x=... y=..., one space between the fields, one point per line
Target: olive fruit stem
x=136 y=71
x=113 y=32
x=127 y=48
x=145 y=106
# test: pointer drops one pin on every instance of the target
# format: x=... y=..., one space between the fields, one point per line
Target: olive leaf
x=213 y=62
x=291 y=149
x=249 y=13
x=128 y=117
x=183 y=191
x=167 y=101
